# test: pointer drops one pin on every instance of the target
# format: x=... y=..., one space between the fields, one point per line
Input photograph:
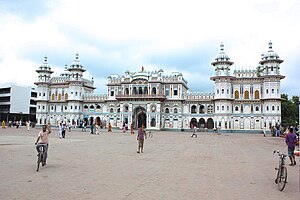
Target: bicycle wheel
x=39 y=160
x=281 y=178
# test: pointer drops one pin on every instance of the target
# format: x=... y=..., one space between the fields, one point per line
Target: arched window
x=134 y=90
x=153 y=122
x=246 y=94
x=126 y=108
x=85 y=107
x=167 y=110
x=153 y=90
x=53 y=97
x=175 y=110
x=267 y=107
x=256 y=94
x=66 y=96
x=59 y=97
x=126 y=91
x=236 y=95
x=222 y=91
x=257 y=108
x=92 y=107
x=140 y=90
x=193 y=109
x=273 y=108
x=98 y=107
x=267 y=91
x=145 y=90
x=201 y=110
x=111 y=110
x=236 y=108
x=118 y=110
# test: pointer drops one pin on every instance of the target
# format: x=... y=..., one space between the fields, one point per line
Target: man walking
x=291 y=141
x=140 y=138
x=194 y=131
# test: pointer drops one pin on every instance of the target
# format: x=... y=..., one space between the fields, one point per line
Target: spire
x=222 y=56
x=45 y=60
x=76 y=65
x=76 y=60
x=222 y=47
x=270 y=45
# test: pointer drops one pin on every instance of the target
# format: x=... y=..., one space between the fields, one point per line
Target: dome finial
x=45 y=58
x=270 y=44
x=222 y=46
x=77 y=56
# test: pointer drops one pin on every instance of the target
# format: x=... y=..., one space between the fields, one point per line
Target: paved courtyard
x=173 y=166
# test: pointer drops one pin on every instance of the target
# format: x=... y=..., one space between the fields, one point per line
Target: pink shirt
x=44 y=137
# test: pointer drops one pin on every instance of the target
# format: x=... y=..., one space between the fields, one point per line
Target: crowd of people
x=18 y=124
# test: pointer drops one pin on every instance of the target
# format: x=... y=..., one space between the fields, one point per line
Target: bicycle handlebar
x=279 y=153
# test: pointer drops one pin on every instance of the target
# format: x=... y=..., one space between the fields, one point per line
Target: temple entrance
x=210 y=123
x=140 y=117
x=142 y=120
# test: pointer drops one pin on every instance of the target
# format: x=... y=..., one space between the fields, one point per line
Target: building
x=17 y=103
x=243 y=100
x=60 y=99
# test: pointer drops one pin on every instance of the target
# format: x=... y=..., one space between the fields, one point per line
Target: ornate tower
x=271 y=96
x=223 y=89
x=76 y=88
x=43 y=83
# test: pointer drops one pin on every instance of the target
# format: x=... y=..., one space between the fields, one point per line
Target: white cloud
x=126 y=32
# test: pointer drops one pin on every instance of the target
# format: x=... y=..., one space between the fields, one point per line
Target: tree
x=289 y=110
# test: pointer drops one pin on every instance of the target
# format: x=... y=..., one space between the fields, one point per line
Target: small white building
x=243 y=100
x=17 y=102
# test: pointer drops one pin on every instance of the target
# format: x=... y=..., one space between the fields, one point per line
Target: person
x=109 y=128
x=278 y=132
x=140 y=138
x=124 y=128
x=28 y=125
x=63 y=130
x=194 y=131
x=264 y=131
x=291 y=141
x=97 y=128
x=69 y=126
x=3 y=124
x=131 y=128
x=83 y=128
x=20 y=124
x=17 y=124
x=60 y=128
x=43 y=138
x=92 y=127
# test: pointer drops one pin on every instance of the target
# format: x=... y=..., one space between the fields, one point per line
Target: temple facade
x=247 y=100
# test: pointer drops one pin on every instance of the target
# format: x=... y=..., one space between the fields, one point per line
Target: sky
x=116 y=35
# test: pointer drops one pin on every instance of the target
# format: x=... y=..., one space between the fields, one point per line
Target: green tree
x=289 y=110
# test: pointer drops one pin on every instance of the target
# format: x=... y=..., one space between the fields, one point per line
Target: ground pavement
x=173 y=166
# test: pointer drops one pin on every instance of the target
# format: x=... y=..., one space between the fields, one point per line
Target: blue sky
x=114 y=36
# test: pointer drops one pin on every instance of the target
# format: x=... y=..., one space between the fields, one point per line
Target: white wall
x=20 y=99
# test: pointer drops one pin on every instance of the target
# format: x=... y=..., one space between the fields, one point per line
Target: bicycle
x=149 y=134
x=281 y=178
x=41 y=151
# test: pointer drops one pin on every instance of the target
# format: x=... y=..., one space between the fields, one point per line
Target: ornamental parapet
x=142 y=97
x=94 y=97
x=198 y=96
